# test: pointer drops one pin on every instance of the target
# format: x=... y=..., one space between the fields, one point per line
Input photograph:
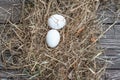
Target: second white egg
x=53 y=38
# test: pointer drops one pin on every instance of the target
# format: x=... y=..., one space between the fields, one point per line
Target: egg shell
x=52 y=38
x=56 y=21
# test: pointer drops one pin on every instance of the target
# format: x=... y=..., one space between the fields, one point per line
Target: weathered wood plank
x=113 y=33
x=111 y=39
x=112 y=52
x=108 y=11
x=12 y=75
x=112 y=75
x=10 y=10
x=117 y=30
x=113 y=61
x=111 y=43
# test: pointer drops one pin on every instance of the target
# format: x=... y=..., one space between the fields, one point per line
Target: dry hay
x=73 y=59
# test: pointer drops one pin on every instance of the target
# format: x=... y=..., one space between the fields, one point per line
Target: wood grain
x=10 y=10
x=111 y=43
x=108 y=11
x=112 y=75
x=111 y=39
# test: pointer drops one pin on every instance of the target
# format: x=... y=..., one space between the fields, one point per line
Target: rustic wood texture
x=112 y=75
x=109 y=12
x=10 y=10
x=112 y=38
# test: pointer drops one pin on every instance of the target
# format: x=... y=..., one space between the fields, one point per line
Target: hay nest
x=75 y=58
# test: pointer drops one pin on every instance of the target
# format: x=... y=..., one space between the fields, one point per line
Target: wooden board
x=112 y=75
x=108 y=11
x=111 y=43
x=111 y=40
x=10 y=10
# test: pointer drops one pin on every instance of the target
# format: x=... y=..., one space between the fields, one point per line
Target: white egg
x=56 y=21
x=53 y=38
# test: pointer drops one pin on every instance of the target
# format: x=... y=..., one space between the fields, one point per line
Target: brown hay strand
x=74 y=58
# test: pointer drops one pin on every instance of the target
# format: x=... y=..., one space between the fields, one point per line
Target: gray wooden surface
x=10 y=10
x=109 y=12
x=112 y=75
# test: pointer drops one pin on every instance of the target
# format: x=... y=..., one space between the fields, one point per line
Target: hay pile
x=73 y=59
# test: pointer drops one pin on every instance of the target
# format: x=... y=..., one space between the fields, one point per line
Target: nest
x=75 y=58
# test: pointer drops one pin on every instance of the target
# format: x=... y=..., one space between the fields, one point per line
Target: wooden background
x=10 y=10
x=109 y=12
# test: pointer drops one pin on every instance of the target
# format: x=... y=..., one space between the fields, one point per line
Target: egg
x=52 y=38
x=56 y=21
